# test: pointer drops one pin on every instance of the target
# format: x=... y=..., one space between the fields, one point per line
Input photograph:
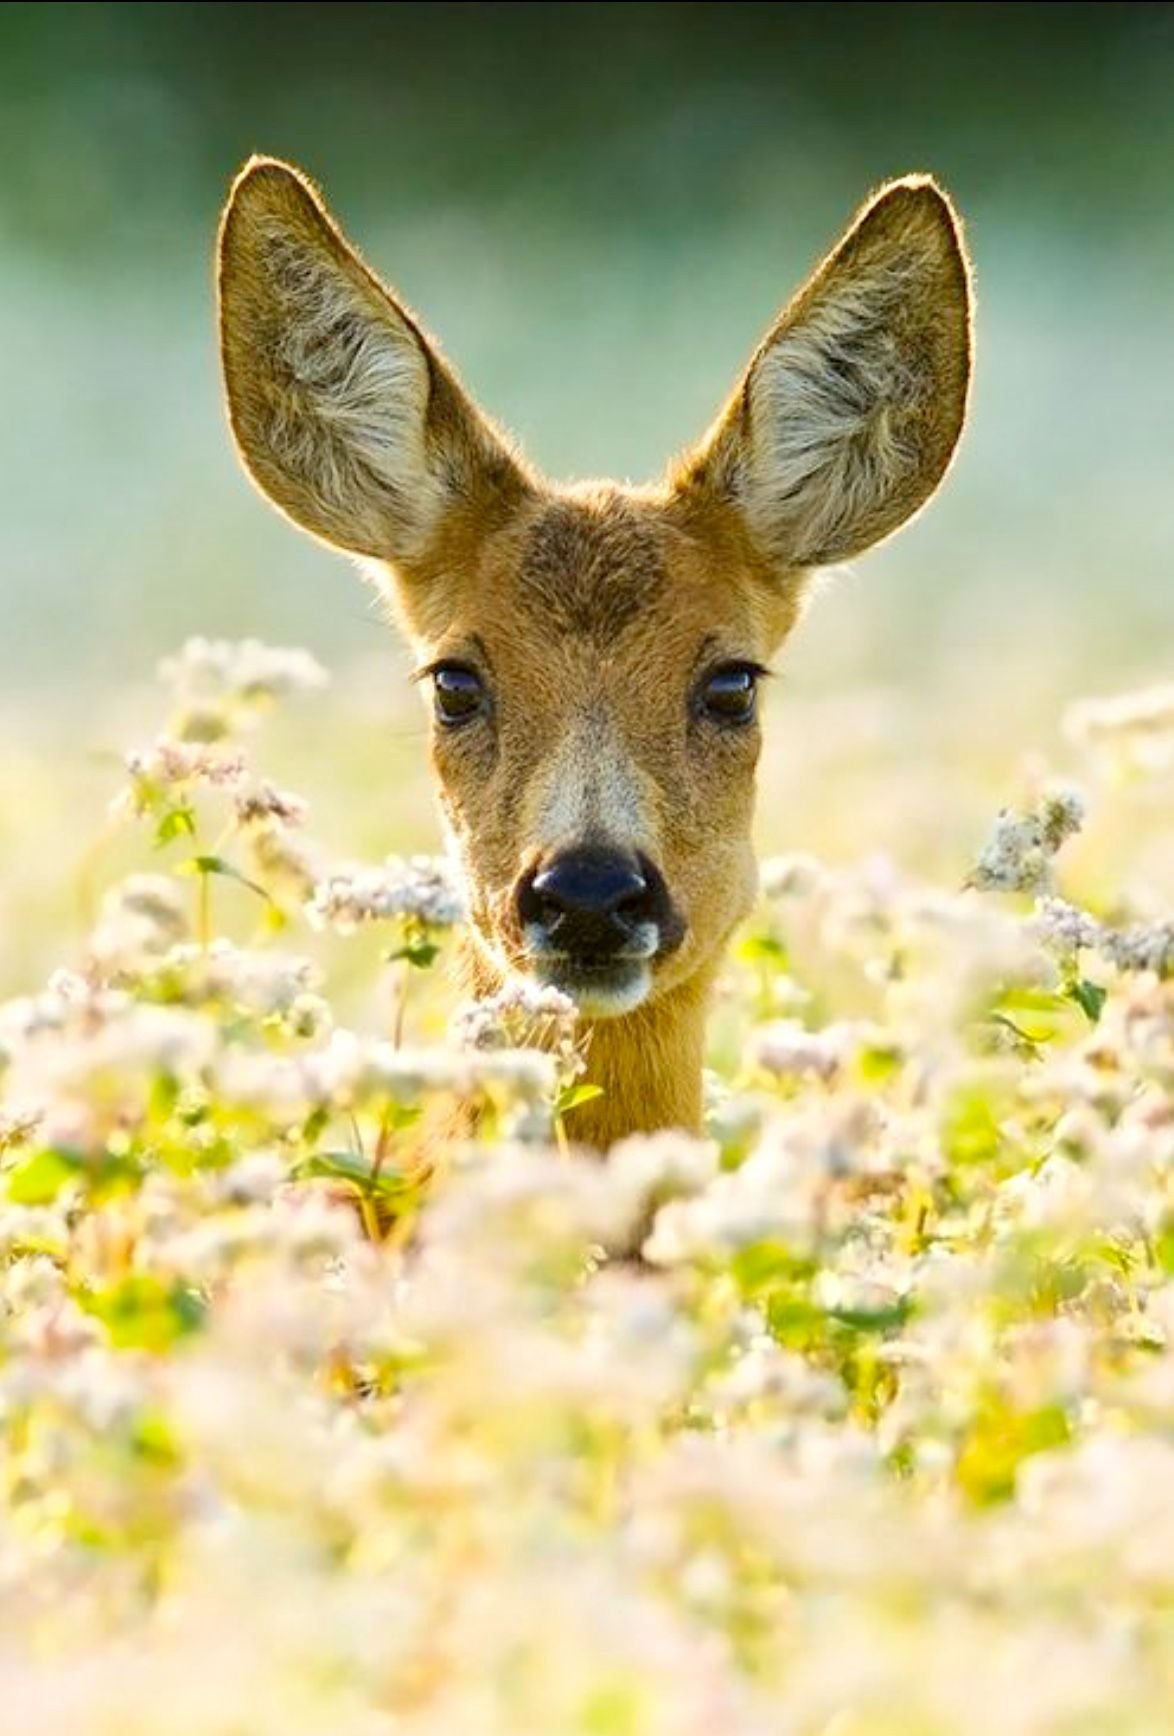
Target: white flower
x=766 y=1373
x=522 y=1012
x=780 y=1193
x=1017 y=856
x=647 y=1170
x=655 y=1167
x=252 y=1180
x=264 y=982
x=139 y=919
x=282 y=859
x=787 y=1049
x=1141 y=947
x=348 y=1071
x=1140 y=724
x=247 y=671
x=790 y=876
x=112 y=1057
x=170 y=762
x=754 y=1203
x=264 y=801
x=423 y=888
x=1064 y=928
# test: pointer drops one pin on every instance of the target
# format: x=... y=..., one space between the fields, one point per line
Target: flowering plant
x=852 y=1417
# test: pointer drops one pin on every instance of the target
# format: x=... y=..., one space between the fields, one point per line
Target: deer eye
x=729 y=695
x=458 y=694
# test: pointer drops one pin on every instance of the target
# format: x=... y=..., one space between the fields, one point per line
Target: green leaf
x=762 y=943
x=218 y=865
x=315 y=1124
x=418 y=953
x=762 y=1266
x=886 y=1319
x=38 y=1179
x=1090 y=997
x=574 y=1096
x=354 y=1167
x=1029 y=1041
x=153 y=1439
x=1162 y=1248
x=999 y=1441
x=613 y=1708
x=877 y=1062
x=146 y=1313
x=1034 y=1015
x=794 y=1320
x=177 y=822
x=971 y=1130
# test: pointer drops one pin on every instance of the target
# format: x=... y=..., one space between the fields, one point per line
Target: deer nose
x=591 y=903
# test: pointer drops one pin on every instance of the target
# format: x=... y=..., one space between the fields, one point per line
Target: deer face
x=595 y=732
x=591 y=656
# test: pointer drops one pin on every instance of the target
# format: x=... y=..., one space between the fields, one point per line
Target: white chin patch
x=599 y=994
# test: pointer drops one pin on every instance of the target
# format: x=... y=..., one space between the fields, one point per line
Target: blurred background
x=597 y=208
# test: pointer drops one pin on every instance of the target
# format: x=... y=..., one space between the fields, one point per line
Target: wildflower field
x=855 y=1418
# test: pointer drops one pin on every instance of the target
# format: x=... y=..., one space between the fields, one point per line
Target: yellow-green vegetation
x=853 y=1419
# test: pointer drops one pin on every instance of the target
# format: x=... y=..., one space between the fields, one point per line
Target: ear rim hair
x=912 y=207
x=454 y=450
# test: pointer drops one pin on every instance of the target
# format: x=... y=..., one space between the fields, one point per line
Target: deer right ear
x=343 y=413
x=848 y=414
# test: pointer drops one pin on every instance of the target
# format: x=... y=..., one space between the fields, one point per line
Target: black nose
x=592 y=903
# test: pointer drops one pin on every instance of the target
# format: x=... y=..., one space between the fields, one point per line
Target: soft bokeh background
x=598 y=208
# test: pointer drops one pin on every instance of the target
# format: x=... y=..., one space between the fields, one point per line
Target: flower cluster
x=1018 y=855
x=1136 y=946
x=423 y=888
x=337 y=1393
x=522 y=1012
x=1136 y=726
x=211 y=671
x=169 y=761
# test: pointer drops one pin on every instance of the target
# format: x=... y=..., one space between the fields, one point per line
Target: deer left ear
x=344 y=414
x=846 y=419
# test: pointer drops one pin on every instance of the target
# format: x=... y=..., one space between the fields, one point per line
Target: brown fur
x=592 y=611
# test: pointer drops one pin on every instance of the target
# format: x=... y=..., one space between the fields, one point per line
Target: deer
x=592 y=654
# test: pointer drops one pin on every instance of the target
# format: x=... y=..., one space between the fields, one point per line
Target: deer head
x=591 y=654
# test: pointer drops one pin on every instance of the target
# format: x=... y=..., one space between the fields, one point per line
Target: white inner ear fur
x=348 y=412
x=831 y=403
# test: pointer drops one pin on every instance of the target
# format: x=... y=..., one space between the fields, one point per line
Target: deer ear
x=846 y=419
x=343 y=413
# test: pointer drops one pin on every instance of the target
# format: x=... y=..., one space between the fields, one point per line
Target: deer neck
x=648 y=1067
x=647 y=1063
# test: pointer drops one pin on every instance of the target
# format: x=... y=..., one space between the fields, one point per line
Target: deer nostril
x=596 y=888
x=588 y=901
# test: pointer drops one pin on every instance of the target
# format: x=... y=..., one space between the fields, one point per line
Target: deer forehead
x=579 y=594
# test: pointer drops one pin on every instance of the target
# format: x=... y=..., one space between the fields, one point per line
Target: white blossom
x=423 y=888
x=213 y=670
x=264 y=801
x=1140 y=724
x=1018 y=855
x=523 y=1011
x=787 y=1049
x=169 y=762
x=1141 y=947
x=139 y=919
x=1065 y=928
x=790 y=876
